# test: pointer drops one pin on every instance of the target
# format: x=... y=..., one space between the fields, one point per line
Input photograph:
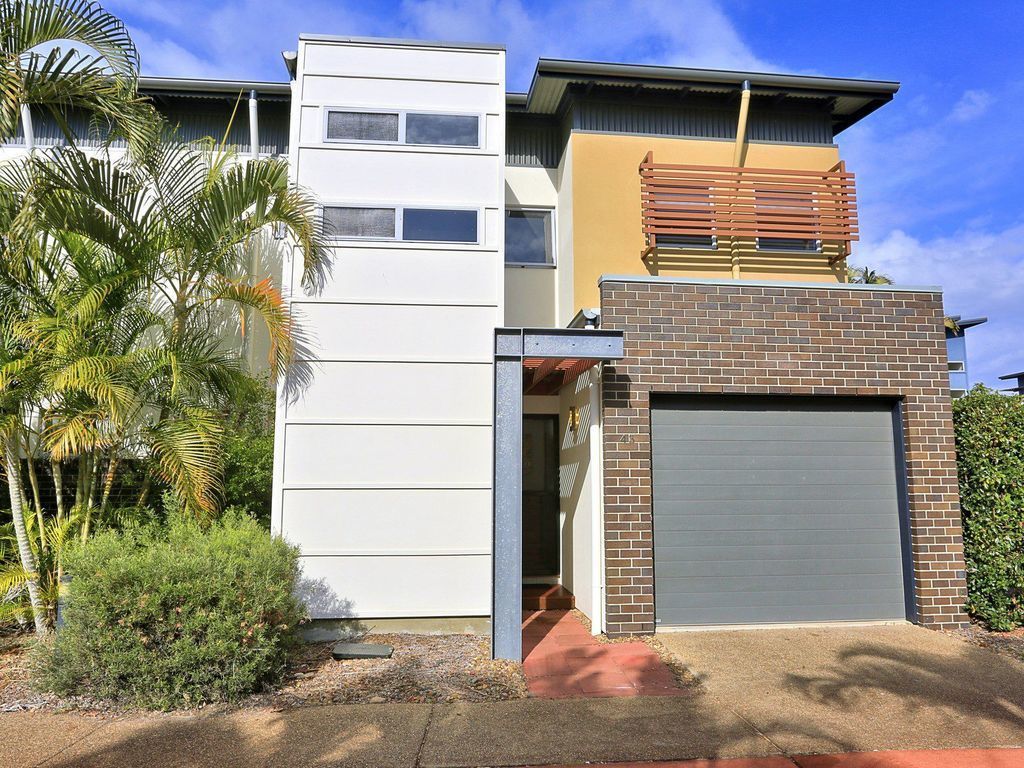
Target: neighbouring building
x=956 y=352
x=593 y=344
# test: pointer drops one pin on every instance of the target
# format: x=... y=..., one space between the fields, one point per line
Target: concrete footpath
x=515 y=733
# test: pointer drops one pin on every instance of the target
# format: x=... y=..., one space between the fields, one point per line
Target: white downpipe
x=254 y=125
x=26 y=126
x=597 y=503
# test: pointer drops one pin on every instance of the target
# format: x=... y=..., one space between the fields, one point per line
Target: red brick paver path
x=562 y=660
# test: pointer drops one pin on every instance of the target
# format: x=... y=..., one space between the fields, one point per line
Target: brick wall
x=730 y=338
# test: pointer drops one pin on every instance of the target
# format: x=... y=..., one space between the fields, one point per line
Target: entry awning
x=535 y=362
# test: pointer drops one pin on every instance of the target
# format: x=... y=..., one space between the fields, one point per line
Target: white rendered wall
x=383 y=462
x=580 y=495
x=531 y=299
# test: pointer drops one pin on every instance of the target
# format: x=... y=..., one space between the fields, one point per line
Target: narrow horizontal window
x=529 y=237
x=706 y=242
x=442 y=130
x=790 y=244
x=362 y=126
x=436 y=225
x=359 y=222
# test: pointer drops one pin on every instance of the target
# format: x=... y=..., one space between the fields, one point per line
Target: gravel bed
x=423 y=668
x=1009 y=643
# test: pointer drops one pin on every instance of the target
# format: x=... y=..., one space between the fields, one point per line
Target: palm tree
x=867 y=276
x=175 y=226
x=98 y=74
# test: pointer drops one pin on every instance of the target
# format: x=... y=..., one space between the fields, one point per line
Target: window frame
x=776 y=249
x=399 y=209
x=402 y=115
x=554 y=238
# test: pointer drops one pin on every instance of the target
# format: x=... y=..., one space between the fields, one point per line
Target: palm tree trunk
x=108 y=483
x=33 y=480
x=58 y=486
x=28 y=561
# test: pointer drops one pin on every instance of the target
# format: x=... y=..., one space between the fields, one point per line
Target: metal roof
x=196 y=86
x=848 y=99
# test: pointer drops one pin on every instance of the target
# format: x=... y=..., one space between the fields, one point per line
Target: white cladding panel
x=389 y=332
x=396 y=521
x=398 y=175
x=397 y=586
x=406 y=63
x=383 y=462
x=387 y=455
x=396 y=392
x=354 y=92
x=389 y=273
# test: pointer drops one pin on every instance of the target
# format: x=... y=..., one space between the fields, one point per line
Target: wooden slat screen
x=716 y=201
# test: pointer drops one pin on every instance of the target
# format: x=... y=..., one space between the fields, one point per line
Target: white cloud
x=243 y=38
x=972 y=105
x=981 y=273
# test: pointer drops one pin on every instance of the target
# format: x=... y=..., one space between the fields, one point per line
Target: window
x=793 y=244
x=774 y=210
x=529 y=237
x=400 y=223
x=362 y=126
x=442 y=130
x=400 y=127
x=359 y=222
x=435 y=225
x=695 y=210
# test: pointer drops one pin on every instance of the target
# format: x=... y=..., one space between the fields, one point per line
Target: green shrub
x=175 y=616
x=249 y=453
x=249 y=474
x=990 y=459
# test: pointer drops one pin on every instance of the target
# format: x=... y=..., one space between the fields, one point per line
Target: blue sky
x=940 y=169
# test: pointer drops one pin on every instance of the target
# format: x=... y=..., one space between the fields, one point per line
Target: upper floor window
x=529 y=236
x=402 y=127
x=405 y=223
x=790 y=209
x=693 y=206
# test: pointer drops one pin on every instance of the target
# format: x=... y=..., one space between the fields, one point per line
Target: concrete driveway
x=816 y=690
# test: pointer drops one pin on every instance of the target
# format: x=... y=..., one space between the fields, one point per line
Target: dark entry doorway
x=541 y=537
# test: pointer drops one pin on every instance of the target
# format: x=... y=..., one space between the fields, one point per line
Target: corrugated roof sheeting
x=533 y=143
x=192 y=120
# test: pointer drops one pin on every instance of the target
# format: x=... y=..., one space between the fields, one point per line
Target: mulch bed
x=1008 y=643
x=423 y=668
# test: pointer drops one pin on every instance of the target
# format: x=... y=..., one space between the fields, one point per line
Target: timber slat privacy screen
x=682 y=203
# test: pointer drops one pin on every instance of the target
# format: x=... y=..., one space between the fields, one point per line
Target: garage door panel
x=875 y=460
x=773 y=614
x=804 y=435
x=721 y=519
x=712 y=447
x=775 y=510
x=783 y=541
x=745 y=589
x=678 y=569
x=868 y=492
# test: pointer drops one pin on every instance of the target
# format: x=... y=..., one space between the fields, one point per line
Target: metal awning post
x=511 y=346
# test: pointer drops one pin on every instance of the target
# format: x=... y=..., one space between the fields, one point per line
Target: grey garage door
x=774 y=510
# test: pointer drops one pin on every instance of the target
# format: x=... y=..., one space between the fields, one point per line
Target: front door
x=541 y=556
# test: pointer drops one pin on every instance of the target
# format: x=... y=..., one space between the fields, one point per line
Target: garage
x=772 y=510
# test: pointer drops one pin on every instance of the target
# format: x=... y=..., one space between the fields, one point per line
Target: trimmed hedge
x=175 y=616
x=990 y=459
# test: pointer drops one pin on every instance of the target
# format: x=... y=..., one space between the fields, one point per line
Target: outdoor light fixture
x=574 y=418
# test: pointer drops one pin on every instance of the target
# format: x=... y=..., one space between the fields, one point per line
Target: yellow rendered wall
x=607 y=234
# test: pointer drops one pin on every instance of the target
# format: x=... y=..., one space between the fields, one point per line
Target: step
x=547 y=597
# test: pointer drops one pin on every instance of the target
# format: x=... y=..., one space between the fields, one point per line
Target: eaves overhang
x=847 y=99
